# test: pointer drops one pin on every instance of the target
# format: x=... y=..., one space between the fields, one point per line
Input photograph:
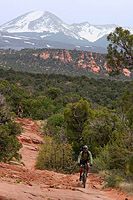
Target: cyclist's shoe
x=80 y=178
x=86 y=175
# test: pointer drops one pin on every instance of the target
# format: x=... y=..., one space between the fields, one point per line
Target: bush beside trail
x=55 y=156
x=9 y=145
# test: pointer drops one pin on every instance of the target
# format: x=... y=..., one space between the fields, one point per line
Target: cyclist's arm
x=79 y=157
x=90 y=155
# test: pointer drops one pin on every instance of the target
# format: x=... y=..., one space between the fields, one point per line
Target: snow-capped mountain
x=43 y=25
x=38 y=21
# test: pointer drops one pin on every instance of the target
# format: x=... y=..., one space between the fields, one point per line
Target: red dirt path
x=20 y=182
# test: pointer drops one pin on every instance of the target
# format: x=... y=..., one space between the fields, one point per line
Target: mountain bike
x=20 y=115
x=84 y=176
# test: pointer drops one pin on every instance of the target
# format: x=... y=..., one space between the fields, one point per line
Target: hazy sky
x=119 y=12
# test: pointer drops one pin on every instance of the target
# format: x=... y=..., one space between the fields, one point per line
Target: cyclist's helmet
x=85 y=147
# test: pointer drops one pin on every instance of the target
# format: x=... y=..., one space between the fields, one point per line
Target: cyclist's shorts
x=84 y=161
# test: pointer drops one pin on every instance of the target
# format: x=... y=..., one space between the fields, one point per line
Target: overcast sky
x=119 y=12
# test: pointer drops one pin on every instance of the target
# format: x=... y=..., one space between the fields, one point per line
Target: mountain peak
x=35 y=21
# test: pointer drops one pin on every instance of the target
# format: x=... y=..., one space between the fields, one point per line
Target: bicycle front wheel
x=84 y=180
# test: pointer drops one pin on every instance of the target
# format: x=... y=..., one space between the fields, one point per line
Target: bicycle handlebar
x=83 y=165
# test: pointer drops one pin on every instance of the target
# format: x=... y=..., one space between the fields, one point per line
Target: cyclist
x=20 y=111
x=85 y=156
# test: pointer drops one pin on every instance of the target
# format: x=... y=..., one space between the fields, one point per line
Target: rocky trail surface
x=25 y=182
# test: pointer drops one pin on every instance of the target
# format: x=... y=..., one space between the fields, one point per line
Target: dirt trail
x=20 y=182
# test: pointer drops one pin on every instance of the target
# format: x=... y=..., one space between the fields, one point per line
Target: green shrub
x=54 y=156
x=120 y=149
x=113 y=179
x=55 y=128
x=56 y=120
x=9 y=145
x=101 y=162
x=129 y=168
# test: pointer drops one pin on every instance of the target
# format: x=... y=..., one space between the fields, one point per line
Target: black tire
x=84 y=180
x=20 y=115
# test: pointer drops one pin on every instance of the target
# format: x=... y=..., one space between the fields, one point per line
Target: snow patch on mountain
x=92 y=32
x=49 y=46
x=21 y=24
x=12 y=37
x=29 y=43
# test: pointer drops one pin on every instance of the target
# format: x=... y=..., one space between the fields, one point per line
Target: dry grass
x=128 y=187
x=41 y=124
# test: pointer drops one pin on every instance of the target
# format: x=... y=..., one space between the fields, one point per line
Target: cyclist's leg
x=80 y=173
x=21 y=115
x=87 y=167
x=81 y=169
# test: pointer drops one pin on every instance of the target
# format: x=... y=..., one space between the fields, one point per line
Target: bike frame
x=84 y=177
x=20 y=115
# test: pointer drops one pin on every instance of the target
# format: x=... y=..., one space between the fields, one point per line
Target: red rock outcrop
x=126 y=72
x=45 y=55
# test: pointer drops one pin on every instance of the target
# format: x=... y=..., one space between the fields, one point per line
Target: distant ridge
x=58 y=61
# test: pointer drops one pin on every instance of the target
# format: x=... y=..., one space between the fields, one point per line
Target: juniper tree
x=120 y=51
